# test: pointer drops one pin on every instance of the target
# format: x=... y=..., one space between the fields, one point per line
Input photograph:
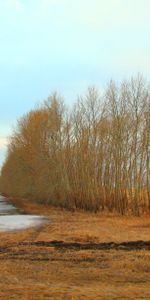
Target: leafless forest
x=95 y=156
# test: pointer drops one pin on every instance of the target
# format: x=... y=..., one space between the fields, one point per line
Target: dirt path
x=40 y=250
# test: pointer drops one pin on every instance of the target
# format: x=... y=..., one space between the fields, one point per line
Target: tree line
x=95 y=156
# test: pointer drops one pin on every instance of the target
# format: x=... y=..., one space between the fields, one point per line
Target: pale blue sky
x=66 y=45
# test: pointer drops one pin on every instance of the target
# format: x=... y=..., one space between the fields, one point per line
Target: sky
x=66 y=46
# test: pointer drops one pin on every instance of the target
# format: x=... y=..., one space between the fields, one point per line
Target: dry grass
x=37 y=273
x=51 y=274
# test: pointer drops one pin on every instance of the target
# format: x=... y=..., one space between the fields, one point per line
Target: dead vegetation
x=32 y=268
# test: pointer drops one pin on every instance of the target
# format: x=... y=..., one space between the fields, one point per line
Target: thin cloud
x=3 y=142
x=99 y=13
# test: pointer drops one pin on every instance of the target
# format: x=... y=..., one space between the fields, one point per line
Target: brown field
x=29 y=270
